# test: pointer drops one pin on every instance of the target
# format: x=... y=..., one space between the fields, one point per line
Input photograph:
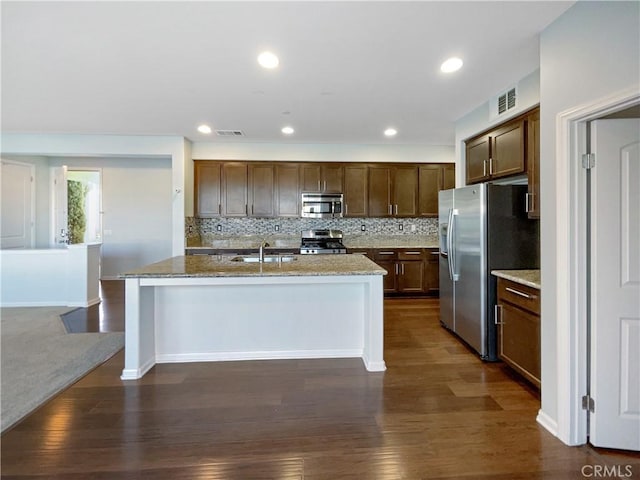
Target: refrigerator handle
x=451 y=247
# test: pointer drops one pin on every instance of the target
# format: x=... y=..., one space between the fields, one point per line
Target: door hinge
x=588 y=160
x=588 y=403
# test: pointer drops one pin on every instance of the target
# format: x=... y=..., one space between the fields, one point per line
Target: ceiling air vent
x=229 y=133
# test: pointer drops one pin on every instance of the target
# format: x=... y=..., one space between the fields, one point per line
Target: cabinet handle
x=434 y=253
x=219 y=209
x=396 y=208
x=246 y=209
x=522 y=294
x=402 y=268
x=490 y=166
x=528 y=204
x=346 y=208
x=325 y=186
x=385 y=253
x=319 y=187
x=497 y=314
x=390 y=209
x=484 y=168
x=417 y=253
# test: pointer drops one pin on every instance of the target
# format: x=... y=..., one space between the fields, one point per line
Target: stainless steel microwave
x=321 y=205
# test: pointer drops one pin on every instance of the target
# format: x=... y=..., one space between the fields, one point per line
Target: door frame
x=571 y=262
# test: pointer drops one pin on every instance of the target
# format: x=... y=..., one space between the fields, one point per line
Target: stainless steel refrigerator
x=482 y=228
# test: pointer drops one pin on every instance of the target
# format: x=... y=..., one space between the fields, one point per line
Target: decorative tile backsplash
x=195 y=227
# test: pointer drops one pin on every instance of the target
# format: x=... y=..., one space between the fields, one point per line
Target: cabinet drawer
x=385 y=254
x=411 y=254
x=523 y=296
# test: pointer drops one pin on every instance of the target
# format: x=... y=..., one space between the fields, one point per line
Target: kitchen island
x=216 y=307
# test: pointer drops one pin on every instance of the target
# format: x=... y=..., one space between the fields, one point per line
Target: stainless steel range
x=317 y=241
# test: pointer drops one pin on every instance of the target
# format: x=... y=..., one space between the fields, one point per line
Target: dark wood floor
x=437 y=412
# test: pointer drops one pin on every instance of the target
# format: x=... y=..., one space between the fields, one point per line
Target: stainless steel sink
x=267 y=259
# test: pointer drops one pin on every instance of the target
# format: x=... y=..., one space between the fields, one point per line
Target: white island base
x=206 y=319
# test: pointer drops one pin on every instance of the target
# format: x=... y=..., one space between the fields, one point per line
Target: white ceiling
x=347 y=69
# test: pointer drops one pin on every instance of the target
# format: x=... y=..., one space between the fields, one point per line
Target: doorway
x=90 y=187
x=578 y=292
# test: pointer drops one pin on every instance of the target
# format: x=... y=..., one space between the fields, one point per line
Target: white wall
x=136 y=201
x=588 y=53
x=322 y=152
x=113 y=146
x=480 y=119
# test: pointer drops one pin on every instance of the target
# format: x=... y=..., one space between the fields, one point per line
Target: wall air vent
x=507 y=100
x=229 y=133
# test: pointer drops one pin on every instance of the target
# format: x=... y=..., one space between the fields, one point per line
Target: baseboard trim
x=260 y=355
x=547 y=422
x=136 y=373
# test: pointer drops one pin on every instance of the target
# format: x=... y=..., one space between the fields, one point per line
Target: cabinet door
x=520 y=341
x=261 y=190
x=428 y=188
x=507 y=150
x=405 y=191
x=477 y=158
x=411 y=276
x=207 y=189
x=332 y=178
x=431 y=179
x=287 y=202
x=234 y=189
x=533 y=164
x=389 y=281
x=448 y=176
x=432 y=272
x=310 y=177
x=379 y=191
x=355 y=190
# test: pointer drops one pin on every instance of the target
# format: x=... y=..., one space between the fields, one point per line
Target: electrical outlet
x=413 y=228
x=400 y=227
x=363 y=227
x=277 y=228
x=190 y=228
x=219 y=228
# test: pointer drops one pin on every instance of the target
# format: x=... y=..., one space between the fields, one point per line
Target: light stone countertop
x=222 y=266
x=530 y=278
x=293 y=241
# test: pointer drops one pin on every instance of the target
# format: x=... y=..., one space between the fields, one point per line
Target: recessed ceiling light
x=268 y=60
x=204 y=129
x=287 y=130
x=390 y=132
x=451 y=65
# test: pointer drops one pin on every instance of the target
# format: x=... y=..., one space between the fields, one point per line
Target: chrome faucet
x=261 y=251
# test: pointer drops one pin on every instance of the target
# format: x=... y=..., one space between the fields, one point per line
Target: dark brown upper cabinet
x=431 y=179
x=393 y=190
x=235 y=189
x=207 y=189
x=498 y=153
x=261 y=189
x=272 y=189
x=356 y=194
x=287 y=202
x=533 y=164
x=321 y=177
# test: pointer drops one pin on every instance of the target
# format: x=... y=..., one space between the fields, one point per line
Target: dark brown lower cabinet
x=409 y=271
x=518 y=318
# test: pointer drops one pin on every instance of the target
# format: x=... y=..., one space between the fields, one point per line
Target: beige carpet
x=39 y=359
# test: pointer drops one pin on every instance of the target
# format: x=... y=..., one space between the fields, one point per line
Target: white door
x=59 y=214
x=615 y=284
x=17 y=205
